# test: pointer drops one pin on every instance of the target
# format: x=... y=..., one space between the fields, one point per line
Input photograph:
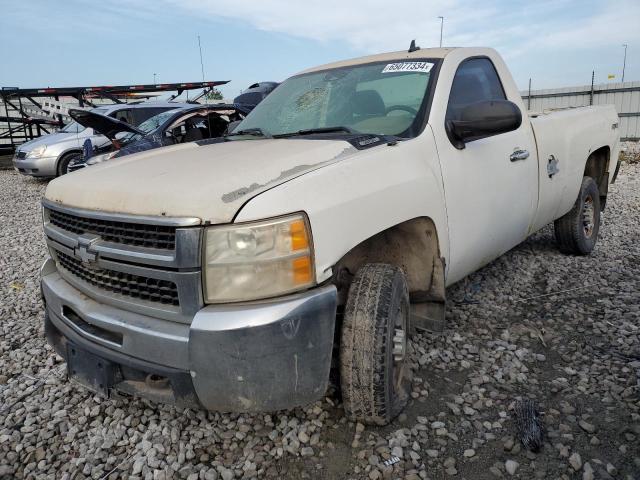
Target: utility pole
x=624 y=62
x=529 y=97
x=154 y=78
x=201 y=64
x=441 y=27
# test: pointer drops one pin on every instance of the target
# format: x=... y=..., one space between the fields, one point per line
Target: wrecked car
x=253 y=95
x=51 y=154
x=323 y=235
x=186 y=124
x=192 y=122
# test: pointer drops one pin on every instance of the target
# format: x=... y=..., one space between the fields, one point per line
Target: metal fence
x=625 y=96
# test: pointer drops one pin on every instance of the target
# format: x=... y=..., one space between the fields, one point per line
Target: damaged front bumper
x=258 y=356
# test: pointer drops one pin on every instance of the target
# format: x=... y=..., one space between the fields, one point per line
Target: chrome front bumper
x=36 y=167
x=257 y=356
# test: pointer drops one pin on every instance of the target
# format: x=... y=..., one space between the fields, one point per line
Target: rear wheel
x=374 y=367
x=577 y=231
x=63 y=163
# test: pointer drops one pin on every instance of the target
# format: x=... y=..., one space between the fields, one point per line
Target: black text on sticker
x=408 y=67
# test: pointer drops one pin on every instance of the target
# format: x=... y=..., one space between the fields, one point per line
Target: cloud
x=368 y=26
x=78 y=19
x=613 y=26
x=514 y=27
x=552 y=41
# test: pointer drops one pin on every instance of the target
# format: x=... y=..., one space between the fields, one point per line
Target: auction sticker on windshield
x=408 y=67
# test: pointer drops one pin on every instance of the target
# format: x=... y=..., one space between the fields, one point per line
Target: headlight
x=258 y=260
x=37 y=152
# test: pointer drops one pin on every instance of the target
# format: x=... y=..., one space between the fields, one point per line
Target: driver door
x=491 y=196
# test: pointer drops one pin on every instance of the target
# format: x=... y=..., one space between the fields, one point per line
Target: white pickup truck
x=229 y=273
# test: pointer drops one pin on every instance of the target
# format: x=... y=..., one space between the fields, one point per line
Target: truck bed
x=565 y=138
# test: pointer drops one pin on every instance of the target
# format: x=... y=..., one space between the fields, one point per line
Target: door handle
x=519 y=155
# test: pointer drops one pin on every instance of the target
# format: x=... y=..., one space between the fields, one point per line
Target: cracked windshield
x=381 y=98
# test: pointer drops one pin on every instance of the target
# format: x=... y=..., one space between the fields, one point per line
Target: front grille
x=144 y=288
x=135 y=234
x=21 y=155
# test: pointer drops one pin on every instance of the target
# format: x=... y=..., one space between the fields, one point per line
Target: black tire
x=577 y=231
x=375 y=379
x=63 y=163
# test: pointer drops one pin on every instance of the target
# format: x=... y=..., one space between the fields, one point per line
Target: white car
x=226 y=274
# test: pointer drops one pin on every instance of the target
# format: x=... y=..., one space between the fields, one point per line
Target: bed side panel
x=564 y=141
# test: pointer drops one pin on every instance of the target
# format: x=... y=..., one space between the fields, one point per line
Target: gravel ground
x=563 y=331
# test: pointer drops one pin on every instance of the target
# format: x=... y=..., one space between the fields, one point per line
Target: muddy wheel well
x=412 y=246
x=597 y=167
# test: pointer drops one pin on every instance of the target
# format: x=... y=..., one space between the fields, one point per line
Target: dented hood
x=210 y=182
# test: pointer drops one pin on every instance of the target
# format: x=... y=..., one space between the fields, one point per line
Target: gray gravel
x=513 y=333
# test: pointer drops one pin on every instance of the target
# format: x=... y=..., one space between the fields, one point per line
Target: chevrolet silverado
x=234 y=273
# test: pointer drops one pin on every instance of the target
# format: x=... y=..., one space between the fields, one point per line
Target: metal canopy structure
x=26 y=118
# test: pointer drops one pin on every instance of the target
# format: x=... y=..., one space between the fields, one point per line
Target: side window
x=123 y=115
x=179 y=131
x=476 y=80
x=142 y=114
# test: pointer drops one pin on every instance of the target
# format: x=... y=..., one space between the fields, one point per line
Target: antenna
x=201 y=64
x=624 y=62
x=413 y=47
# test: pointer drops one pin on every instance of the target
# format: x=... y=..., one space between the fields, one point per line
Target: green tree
x=214 y=94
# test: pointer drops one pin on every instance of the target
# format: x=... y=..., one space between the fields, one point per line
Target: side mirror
x=483 y=119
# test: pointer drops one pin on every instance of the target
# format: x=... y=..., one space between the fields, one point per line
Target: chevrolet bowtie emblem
x=84 y=251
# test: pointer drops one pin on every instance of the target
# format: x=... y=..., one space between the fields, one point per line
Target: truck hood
x=103 y=124
x=210 y=182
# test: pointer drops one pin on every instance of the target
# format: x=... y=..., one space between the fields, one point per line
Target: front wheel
x=76 y=163
x=63 y=163
x=577 y=231
x=374 y=364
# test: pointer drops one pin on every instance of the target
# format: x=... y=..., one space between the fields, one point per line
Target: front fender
x=355 y=198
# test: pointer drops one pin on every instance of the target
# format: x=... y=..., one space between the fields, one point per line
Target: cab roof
x=382 y=57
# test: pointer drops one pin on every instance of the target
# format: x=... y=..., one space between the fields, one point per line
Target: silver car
x=49 y=155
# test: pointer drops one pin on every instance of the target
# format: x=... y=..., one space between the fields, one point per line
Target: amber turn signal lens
x=299 y=240
x=302 y=270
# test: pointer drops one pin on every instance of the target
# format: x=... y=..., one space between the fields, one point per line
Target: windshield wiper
x=311 y=131
x=255 y=132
